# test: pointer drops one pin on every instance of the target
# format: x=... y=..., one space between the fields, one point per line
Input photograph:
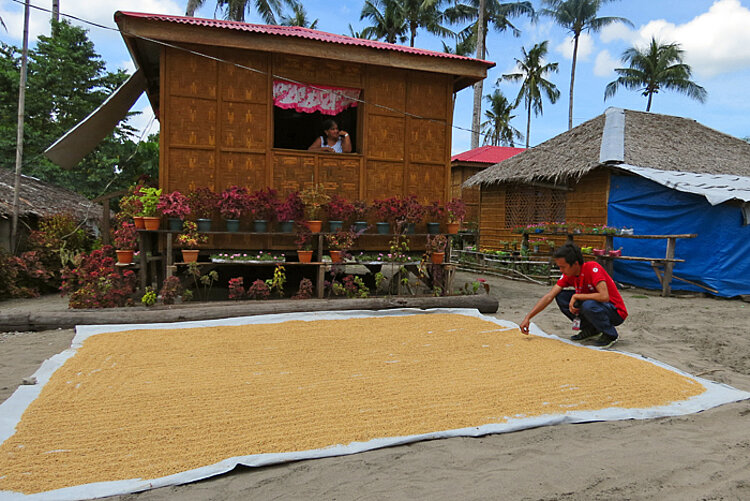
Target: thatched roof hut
x=658 y=174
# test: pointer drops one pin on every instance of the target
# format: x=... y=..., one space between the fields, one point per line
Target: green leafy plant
x=190 y=238
x=203 y=283
x=149 y=198
x=277 y=282
x=314 y=198
x=149 y=298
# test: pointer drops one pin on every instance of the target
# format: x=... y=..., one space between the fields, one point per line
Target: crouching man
x=594 y=299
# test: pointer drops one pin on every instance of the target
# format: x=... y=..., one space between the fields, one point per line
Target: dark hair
x=570 y=252
x=329 y=123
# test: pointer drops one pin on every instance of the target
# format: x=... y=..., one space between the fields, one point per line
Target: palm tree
x=578 y=16
x=299 y=18
x=653 y=68
x=388 y=21
x=532 y=73
x=235 y=9
x=497 y=129
x=496 y=14
x=424 y=14
x=358 y=34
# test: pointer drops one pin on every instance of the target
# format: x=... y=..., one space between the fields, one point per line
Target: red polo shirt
x=591 y=274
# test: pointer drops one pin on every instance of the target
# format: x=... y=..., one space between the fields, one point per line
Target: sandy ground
x=695 y=457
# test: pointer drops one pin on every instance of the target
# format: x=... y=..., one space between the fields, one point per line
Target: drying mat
x=179 y=402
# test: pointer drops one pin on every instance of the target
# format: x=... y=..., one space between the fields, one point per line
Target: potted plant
x=131 y=207
x=262 y=205
x=435 y=246
x=413 y=213
x=456 y=211
x=188 y=240
x=149 y=198
x=290 y=210
x=126 y=241
x=175 y=206
x=233 y=203
x=314 y=199
x=340 y=242
x=203 y=201
x=435 y=214
x=304 y=243
x=339 y=211
x=360 y=216
x=388 y=211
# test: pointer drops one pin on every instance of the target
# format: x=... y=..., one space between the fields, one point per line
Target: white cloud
x=144 y=123
x=605 y=64
x=128 y=65
x=585 y=47
x=617 y=31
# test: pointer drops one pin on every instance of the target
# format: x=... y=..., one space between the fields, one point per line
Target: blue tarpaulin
x=719 y=257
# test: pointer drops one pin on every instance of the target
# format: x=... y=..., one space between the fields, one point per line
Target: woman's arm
x=346 y=144
x=317 y=146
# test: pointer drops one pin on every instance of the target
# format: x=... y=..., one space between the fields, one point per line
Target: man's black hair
x=570 y=252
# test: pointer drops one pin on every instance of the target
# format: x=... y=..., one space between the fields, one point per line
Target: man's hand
x=572 y=305
x=525 y=325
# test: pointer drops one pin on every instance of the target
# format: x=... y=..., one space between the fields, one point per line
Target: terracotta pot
x=189 y=256
x=138 y=222
x=437 y=257
x=314 y=226
x=124 y=256
x=305 y=256
x=151 y=223
x=335 y=256
x=452 y=228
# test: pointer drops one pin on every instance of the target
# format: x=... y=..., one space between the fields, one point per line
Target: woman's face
x=333 y=132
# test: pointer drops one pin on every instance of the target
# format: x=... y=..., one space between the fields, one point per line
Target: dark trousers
x=595 y=316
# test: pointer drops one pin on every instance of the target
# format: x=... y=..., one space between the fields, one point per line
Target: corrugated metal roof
x=487 y=154
x=296 y=32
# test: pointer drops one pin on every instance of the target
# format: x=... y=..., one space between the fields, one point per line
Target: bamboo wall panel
x=321 y=71
x=427 y=142
x=244 y=126
x=239 y=84
x=197 y=169
x=588 y=203
x=425 y=181
x=241 y=169
x=492 y=216
x=383 y=180
x=340 y=175
x=426 y=95
x=385 y=137
x=292 y=172
x=389 y=90
x=190 y=75
x=192 y=122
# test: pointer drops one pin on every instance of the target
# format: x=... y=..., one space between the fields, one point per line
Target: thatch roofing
x=651 y=140
x=40 y=199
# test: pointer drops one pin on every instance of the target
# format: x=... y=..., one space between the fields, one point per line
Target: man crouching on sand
x=595 y=298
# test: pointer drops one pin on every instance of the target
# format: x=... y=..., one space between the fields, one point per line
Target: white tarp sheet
x=11 y=410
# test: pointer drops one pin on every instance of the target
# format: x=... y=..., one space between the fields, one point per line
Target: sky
x=715 y=35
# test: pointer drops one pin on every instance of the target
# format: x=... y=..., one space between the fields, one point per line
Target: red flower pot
x=190 y=256
x=305 y=256
x=437 y=257
x=335 y=256
x=124 y=256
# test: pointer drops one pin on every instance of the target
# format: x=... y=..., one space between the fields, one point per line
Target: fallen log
x=37 y=321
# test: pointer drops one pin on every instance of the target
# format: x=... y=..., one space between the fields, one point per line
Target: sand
x=700 y=456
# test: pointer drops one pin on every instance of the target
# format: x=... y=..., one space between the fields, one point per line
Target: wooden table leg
x=143 y=272
x=666 y=286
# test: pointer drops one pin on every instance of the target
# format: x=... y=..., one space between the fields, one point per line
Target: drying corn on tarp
x=129 y=408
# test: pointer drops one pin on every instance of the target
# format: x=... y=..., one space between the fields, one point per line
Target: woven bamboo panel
x=426 y=95
x=532 y=204
x=387 y=88
x=292 y=172
x=426 y=181
x=192 y=122
x=321 y=71
x=189 y=75
x=241 y=169
x=244 y=125
x=238 y=84
x=385 y=137
x=426 y=141
x=341 y=174
x=383 y=179
x=196 y=168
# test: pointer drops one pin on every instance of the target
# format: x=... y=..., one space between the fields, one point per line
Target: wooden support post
x=143 y=271
x=105 y=222
x=170 y=257
x=666 y=285
x=319 y=289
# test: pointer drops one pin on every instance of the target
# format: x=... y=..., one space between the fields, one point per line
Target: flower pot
x=452 y=228
x=204 y=225
x=174 y=224
x=314 y=226
x=335 y=256
x=433 y=228
x=598 y=252
x=233 y=225
x=124 y=256
x=410 y=228
x=151 y=223
x=190 y=256
x=260 y=226
x=437 y=257
x=286 y=226
x=138 y=222
x=383 y=228
x=305 y=256
x=335 y=226
x=360 y=226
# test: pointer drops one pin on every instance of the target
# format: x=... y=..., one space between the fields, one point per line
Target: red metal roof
x=295 y=31
x=487 y=154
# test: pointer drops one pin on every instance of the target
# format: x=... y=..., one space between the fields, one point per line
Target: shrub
x=170 y=289
x=314 y=198
x=291 y=209
x=202 y=202
x=262 y=204
x=339 y=208
x=189 y=238
x=258 y=290
x=24 y=275
x=149 y=198
x=149 y=297
x=234 y=202
x=93 y=281
x=456 y=210
x=236 y=288
x=305 y=290
x=126 y=237
x=174 y=204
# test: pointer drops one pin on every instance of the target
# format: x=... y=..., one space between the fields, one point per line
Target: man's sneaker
x=583 y=334
x=604 y=341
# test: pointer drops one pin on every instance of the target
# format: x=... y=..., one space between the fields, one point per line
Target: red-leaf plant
x=174 y=204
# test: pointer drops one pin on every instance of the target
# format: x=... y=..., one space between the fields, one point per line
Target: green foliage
x=203 y=283
x=149 y=298
x=67 y=80
x=277 y=282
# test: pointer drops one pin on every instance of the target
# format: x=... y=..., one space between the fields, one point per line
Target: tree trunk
x=648 y=105
x=572 y=81
x=528 y=126
x=56 y=10
x=19 y=132
x=479 y=86
x=413 y=30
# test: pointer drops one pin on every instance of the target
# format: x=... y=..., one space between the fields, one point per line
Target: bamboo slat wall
x=459 y=174
x=217 y=127
x=586 y=203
